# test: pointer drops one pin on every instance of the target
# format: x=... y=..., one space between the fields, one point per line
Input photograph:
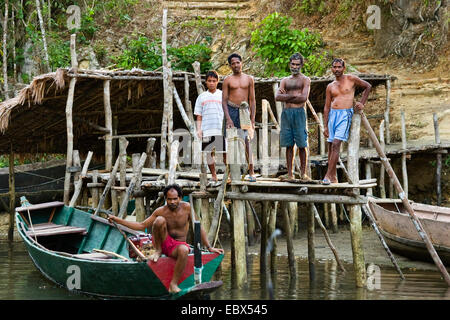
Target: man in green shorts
x=294 y=91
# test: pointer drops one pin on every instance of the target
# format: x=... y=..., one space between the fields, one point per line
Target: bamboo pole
x=437 y=140
x=12 y=194
x=166 y=90
x=409 y=209
x=355 y=210
x=327 y=237
x=303 y=198
x=79 y=183
x=322 y=140
x=189 y=124
x=404 y=146
x=187 y=102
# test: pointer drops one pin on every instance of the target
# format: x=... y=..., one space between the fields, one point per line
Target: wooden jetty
x=107 y=116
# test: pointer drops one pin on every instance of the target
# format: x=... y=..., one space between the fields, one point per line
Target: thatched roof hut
x=34 y=121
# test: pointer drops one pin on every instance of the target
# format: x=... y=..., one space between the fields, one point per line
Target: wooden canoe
x=401 y=235
x=68 y=246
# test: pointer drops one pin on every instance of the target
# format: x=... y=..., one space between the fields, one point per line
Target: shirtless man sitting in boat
x=170 y=225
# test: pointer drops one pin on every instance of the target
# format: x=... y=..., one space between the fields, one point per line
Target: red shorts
x=169 y=244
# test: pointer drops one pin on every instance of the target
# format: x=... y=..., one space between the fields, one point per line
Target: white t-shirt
x=209 y=106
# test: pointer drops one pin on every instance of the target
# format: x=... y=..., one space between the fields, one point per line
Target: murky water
x=19 y=279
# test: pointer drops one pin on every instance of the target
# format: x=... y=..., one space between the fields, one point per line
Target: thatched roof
x=35 y=120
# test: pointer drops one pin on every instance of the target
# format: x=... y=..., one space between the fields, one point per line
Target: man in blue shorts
x=294 y=91
x=338 y=112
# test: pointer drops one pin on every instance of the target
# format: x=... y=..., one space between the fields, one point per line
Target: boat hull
x=113 y=278
x=403 y=238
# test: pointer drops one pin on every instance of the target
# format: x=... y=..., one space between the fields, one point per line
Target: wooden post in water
x=272 y=220
x=234 y=161
x=437 y=140
x=12 y=194
x=355 y=210
x=265 y=212
x=407 y=205
x=404 y=155
x=288 y=236
x=311 y=249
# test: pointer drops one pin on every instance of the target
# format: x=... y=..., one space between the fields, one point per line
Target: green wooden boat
x=87 y=254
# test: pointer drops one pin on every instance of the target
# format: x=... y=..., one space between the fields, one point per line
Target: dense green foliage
x=275 y=41
x=145 y=53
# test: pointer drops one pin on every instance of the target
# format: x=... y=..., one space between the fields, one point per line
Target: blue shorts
x=234 y=115
x=293 y=128
x=339 y=122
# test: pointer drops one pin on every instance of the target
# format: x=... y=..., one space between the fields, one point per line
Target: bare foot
x=155 y=256
x=173 y=288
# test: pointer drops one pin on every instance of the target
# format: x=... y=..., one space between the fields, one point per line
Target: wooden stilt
x=218 y=206
x=149 y=151
x=108 y=125
x=131 y=186
x=334 y=218
x=386 y=112
x=69 y=119
x=437 y=140
x=94 y=191
x=240 y=270
x=355 y=210
x=139 y=201
x=265 y=139
x=196 y=143
x=12 y=194
x=271 y=228
x=112 y=178
x=404 y=155
x=79 y=183
x=289 y=242
x=250 y=223
x=409 y=209
x=368 y=170
x=381 y=182
x=311 y=249
x=265 y=212
x=322 y=140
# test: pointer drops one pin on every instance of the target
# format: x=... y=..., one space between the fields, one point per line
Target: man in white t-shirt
x=209 y=112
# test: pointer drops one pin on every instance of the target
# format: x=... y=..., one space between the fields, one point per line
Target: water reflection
x=19 y=279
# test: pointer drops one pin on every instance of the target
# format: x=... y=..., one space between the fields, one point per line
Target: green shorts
x=293 y=128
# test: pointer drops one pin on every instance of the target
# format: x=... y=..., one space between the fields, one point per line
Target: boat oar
x=133 y=247
x=402 y=196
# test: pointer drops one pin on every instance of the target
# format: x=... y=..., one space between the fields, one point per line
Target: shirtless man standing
x=294 y=91
x=170 y=224
x=338 y=112
x=236 y=89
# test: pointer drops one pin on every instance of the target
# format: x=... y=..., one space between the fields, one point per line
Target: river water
x=20 y=280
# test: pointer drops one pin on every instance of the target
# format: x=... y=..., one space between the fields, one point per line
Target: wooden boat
x=402 y=237
x=87 y=254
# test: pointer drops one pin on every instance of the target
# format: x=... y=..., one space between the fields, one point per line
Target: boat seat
x=93 y=256
x=51 y=229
